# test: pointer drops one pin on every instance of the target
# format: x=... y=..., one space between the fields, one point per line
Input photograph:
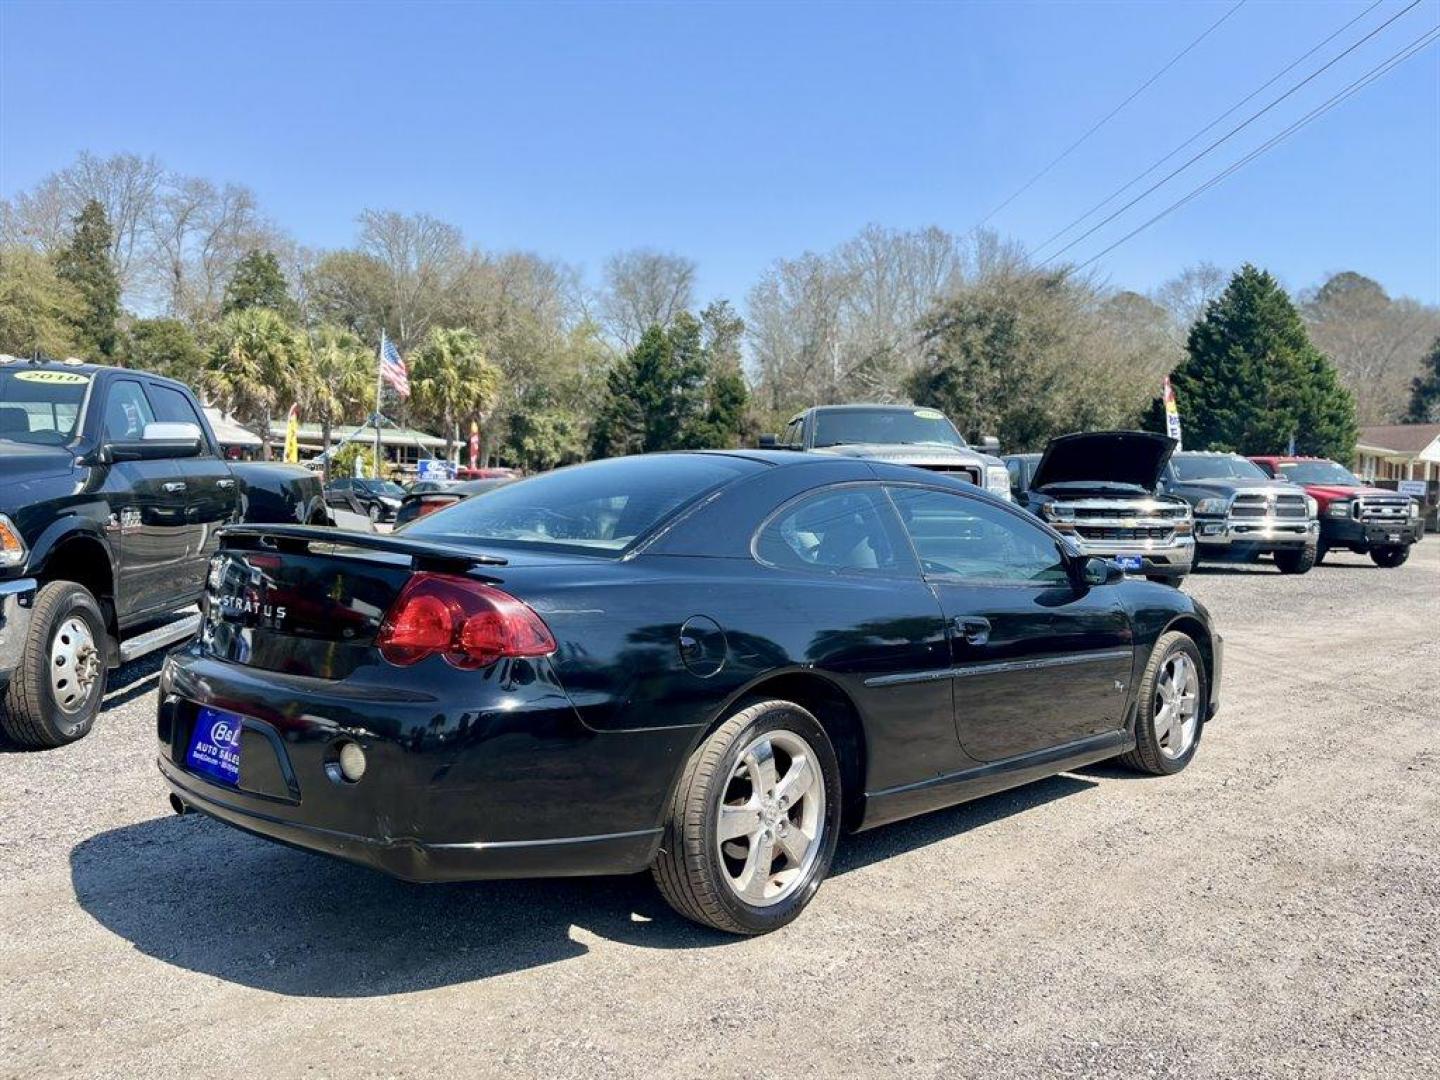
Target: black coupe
x=706 y=664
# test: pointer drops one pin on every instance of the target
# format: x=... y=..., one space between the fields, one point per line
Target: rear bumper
x=1364 y=536
x=17 y=600
x=468 y=776
x=410 y=859
x=1263 y=534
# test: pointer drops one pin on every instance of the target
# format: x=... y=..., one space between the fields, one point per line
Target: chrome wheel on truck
x=55 y=692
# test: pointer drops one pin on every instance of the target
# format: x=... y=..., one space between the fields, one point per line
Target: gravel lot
x=1273 y=911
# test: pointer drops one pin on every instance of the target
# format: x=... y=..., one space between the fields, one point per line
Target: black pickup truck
x=112 y=489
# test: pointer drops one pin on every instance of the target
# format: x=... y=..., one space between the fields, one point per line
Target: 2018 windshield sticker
x=929 y=414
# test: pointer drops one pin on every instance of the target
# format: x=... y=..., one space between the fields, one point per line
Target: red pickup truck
x=1353 y=515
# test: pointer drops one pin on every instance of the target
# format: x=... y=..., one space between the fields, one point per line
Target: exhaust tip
x=178 y=805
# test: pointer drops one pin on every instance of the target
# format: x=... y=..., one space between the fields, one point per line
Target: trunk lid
x=1121 y=457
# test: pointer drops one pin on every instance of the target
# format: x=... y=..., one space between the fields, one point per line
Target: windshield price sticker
x=56 y=378
x=930 y=414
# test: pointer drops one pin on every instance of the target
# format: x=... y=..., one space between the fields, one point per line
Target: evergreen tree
x=1425 y=390
x=85 y=263
x=259 y=283
x=656 y=397
x=1252 y=381
x=39 y=312
x=166 y=347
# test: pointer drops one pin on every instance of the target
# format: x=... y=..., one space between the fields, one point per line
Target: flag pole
x=379 y=389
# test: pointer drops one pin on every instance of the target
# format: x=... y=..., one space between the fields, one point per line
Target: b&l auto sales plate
x=215 y=746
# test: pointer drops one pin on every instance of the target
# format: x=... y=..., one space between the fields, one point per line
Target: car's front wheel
x=1389 y=557
x=754 y=821
x=54 y=694
x=1171 y=712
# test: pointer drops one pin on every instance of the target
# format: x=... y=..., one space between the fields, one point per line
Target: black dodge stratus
x=705 y=664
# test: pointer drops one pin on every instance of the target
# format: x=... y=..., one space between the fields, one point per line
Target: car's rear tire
x=754 y=821
x=1296 y=560
x=1389 y=557
x=1171 y=712
x=55 y=693
x=373 y=513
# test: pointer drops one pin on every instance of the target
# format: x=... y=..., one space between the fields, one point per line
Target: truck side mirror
x=769 y=441
x=989 y=444
x=159 y=441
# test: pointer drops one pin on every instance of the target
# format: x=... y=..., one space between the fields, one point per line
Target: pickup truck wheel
x=55 y=693
x=1389 y=557
x=754 y=821
x=1296 y=560
x=1171 y=712
x=1321 y=550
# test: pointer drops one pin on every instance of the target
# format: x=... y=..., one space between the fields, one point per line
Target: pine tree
x=259 y=282
x=1425 y=390
x=85 y=263
x=1252 y=381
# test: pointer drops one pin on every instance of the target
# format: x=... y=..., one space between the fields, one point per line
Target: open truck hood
x=1135 y=458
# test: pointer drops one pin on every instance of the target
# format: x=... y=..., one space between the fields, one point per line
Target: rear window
x=40 y=405
x=602 y=507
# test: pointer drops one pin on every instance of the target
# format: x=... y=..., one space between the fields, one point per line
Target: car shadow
x=204 y=897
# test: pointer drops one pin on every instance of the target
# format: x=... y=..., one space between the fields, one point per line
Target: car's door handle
x=225 y=483
x=974 y=629
x=174 y=487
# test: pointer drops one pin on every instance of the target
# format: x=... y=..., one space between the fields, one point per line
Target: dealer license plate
x=1394 y=538
x=215 y=746
x=1129 y=562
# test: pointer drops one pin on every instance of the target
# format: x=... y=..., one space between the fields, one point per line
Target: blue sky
x=736 y=133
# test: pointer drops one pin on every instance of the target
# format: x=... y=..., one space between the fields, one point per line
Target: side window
x=795 y=435
x=173 y=407
x=958 y=536
x=126 y=411
x=847 y=529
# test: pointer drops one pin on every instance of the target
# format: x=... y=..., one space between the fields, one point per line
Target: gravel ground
x=1272 y=911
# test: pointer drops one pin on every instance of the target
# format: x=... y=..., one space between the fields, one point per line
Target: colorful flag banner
x=1172 y=413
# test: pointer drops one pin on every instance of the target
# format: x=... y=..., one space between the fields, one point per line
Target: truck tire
x=1296 y=560
x=55 y=693
x=1389 y=557
x=1321 y=550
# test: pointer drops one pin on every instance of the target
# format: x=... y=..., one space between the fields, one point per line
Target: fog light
x=352 y=761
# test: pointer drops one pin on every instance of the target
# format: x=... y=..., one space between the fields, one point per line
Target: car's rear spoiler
x=297 y=539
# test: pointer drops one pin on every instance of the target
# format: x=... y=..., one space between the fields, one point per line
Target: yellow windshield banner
x=55 y=378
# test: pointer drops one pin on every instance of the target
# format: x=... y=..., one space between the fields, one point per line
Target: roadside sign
x=1411 y=487
x=437 y=469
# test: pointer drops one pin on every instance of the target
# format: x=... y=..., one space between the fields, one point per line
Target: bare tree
x=1376 y=342
x=645 y=288
x=1186 y=295
x=422 y=259
x=198 y=232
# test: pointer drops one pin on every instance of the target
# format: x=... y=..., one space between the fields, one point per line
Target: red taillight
x=468 y=623
x=430 y=503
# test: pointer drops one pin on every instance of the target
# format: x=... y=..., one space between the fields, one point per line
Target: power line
x=1110 y=115
x=1230 y=134
x=1379 y=71
x=1233 y=108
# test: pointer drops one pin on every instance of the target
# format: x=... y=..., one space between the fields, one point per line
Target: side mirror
x=158 y=441
x=1095 y=571
x=989 y=444
x=769 y=441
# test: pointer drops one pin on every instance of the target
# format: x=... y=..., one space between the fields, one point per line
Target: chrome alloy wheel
x=1177 y=706
x=74 y=664
x=772 y=818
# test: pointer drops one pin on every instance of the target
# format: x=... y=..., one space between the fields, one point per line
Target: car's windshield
x=41 y=405
x=1319 y=472
x=847 y=427
x=381 y=487
x=602 y=507
x=1216 y=467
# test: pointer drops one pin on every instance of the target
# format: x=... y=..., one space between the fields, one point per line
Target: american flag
x=392 y=367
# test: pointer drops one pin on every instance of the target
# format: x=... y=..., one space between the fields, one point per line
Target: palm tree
x=259 y=365
x=450 y=379
x=343 y=371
